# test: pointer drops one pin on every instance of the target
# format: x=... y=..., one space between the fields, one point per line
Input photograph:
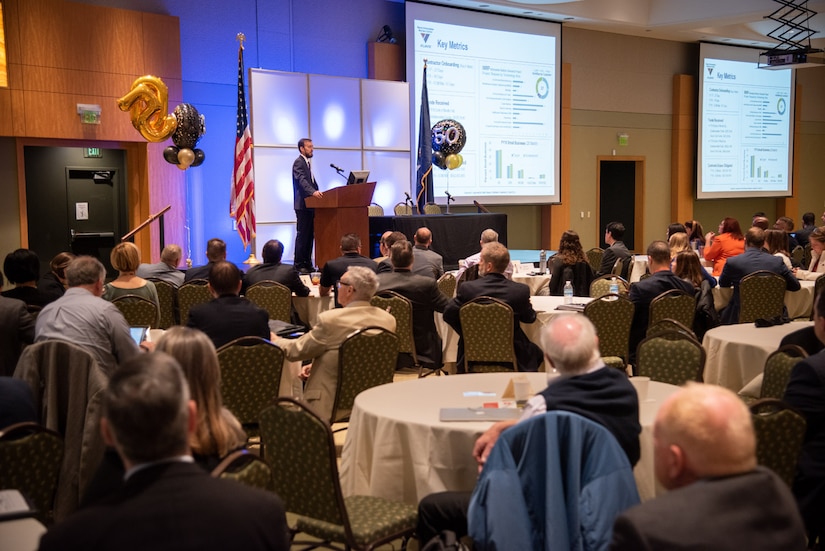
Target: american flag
x=242 y=207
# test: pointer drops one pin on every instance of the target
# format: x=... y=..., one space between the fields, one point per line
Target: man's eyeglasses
x=342 y=282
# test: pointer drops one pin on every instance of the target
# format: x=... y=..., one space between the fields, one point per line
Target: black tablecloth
x=455 y=236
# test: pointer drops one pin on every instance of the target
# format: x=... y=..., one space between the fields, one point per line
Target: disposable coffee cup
x=641 y=385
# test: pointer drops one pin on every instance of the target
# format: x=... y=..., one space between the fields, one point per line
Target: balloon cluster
x=147 y=103
x=448 y=137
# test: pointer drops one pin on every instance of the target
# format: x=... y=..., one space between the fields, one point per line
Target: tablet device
x=138 y=333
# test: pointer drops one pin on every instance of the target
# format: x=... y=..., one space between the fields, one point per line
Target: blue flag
x=424 y=174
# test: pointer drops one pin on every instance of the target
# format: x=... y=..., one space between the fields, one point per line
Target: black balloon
x=200 y=157
x=191 y=126
x=440 y=160
x=170 y=154
x=448 y=136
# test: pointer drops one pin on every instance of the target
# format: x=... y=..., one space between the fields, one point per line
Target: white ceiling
x=741 y=22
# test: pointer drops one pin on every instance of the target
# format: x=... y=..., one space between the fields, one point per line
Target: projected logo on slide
x=542 y=88
x=781 y=106
x=424 y=32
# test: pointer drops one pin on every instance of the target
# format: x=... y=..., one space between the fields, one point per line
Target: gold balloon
x=186 y=157
x=453 y=161
x=148 y=103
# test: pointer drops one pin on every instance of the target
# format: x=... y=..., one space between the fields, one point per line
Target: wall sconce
x=89 y=113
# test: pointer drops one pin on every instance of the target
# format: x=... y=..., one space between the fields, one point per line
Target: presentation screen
x=499 y=77
x=745 y=125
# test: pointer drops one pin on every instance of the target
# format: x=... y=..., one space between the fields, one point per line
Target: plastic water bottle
x=568 y=292
x=542 y=261
x=614 y=286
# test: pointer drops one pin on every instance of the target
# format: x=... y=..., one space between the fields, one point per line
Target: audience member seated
x=729 y=242
x=167 y=269
x=166 y=501
x=776 y=243
x=335 y=268
x=425 y=297
x=487 y=236
x=805 y=338
x=586 y=387
x=678 y=242
x=675 y=227
x=357 y=287
x=389 y=240
x=696 y=233
x=643 y=292
x=22 y=268
x=808 y=225
x=382 y=248
x=53 y=284
x=426 y=261
x=760 y=221
x=125 y=258
x=817 y=265
x=806 y=394
x=83 y=318
x=16 y=403
x=16 y=331
x=754 y=259
x=570 y=264
x=616 y=249
x=704 y=451
x=786 y=224
x=686 y=266
x=494 y=260
x=273 y=270
x=228 y=316
x=215 y=252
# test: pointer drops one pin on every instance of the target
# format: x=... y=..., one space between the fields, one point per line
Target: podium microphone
x=449 y=197
x=338 y=169
x=408 y=196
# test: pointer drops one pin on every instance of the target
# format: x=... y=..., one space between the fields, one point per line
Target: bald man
x=426 y=262
x=705 y=454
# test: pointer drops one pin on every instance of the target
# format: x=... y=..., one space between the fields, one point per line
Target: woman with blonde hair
x=686 y=265
x=125 y=258
x=678 y=243
x=218 y=432
x=817 y=266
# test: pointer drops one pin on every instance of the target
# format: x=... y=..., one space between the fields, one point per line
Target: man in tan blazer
x=355 y=289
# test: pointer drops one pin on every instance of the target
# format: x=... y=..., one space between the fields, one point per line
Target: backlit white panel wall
x=280 y=110
x=335 y=112
x=392 y=172
x=383 y=101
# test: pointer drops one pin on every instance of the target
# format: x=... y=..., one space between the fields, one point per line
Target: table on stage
x=798 y=303
x=397 y=448
x=737 y=353
x=455 y=236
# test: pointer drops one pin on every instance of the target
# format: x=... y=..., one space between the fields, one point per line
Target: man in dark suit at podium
x=303 y=186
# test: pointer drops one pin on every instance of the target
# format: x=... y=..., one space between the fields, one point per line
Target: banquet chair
x=246 y=468
x=273 y=297
x=601 y=285
x=402 y=209
x=431 y=208
x=138 y=310
x=622 y=267
x=670 y=357
x=374 y=209
x=167 y=302
x=594 y=258
x=780 y=432
x=366 y=359
x=300 y=449
x=470 y=274
x=761 y=296
x=30 y=456
x=612 y=316
x=251 y=370
x=668 y=324
x=673 y=304
x=819 y=285
x=778 y=367
x=401 y=309
x=191 y=293
x=806 y=257
x=798 y=255
x=447 y=284
x=487 y=331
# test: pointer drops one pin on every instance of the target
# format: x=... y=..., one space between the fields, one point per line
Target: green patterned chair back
x=778 y=367
x=138 y=310
x=447 y=284
x=798 y=255
x=192 y=293
x=299 y=447
x=594 y=258
x=806 y=257
x=401 y=309
x=622 y=267
x=780 y=432
x=761 y=295
x=671 y=357
x=374 y=209
x=402 y=209
x=250 y=378
x=601 y=286
x=487 y=331
x=273 y=297
x=246 y=468
x=668 y=325
x=30 y=459
x=167 y=301
x=612 y=316
x=675 y=305
x=366 y=359
x=819 y=285
x=431 y=208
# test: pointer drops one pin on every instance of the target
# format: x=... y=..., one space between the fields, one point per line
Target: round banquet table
x=798 y=303
x=534 y=282
x=397 y=448
x=737 y=353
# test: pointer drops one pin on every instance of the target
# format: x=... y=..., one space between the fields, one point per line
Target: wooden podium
x=340 y=211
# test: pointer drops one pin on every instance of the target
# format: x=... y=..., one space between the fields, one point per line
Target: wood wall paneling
x=555 y=219
x=683 y=148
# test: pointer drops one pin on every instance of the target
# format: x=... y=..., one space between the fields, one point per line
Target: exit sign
x=92 y=153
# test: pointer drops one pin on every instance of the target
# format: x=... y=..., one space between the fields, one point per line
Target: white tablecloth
x=799 y=302
x=534 y=282
x=398 y=449
x=737 y=353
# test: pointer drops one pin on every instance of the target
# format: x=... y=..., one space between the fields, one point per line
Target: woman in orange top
x=729 y=242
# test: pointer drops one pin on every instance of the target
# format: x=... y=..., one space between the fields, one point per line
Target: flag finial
x=241 y=38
